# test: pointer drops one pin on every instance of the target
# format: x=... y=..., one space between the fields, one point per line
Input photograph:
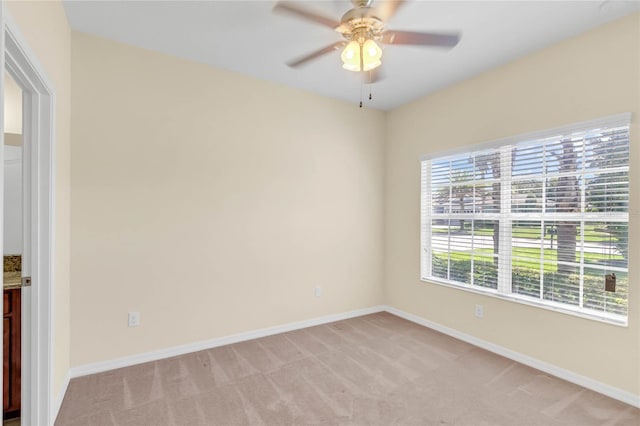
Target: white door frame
x=18 y=60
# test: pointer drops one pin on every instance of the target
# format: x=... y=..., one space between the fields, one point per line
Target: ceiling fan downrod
x=362 y=3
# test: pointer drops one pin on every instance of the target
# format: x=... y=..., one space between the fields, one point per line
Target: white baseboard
x=554 y=370
x=57 y=404
x=127 y=361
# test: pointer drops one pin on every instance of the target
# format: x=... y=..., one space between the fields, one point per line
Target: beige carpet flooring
x=373 y=370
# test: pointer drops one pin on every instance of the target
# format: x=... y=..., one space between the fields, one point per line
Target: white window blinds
x=542 y=219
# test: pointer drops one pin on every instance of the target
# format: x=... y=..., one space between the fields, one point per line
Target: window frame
x=505 y=218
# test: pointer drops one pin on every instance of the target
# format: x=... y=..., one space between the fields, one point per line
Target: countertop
x=12 y=267
x=11 y=280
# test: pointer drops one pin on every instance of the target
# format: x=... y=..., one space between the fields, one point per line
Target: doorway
x=38 y=116
x=12 y=251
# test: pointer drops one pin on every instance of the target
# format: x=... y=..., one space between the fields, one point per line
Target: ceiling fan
x=362 y=28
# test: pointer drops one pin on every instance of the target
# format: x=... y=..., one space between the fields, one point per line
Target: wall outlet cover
x=134 y=319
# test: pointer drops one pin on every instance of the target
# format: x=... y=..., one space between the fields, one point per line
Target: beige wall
x=45 y=27
x=593 y=75
x=213 y=203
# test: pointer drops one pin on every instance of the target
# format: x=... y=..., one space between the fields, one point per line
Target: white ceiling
x=247 y=37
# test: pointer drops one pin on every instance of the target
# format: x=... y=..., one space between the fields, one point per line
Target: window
x=541 y=219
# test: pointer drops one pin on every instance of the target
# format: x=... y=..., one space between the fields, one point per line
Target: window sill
x=550 y=306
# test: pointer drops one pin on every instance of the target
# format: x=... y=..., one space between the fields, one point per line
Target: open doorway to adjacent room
x=13 y=245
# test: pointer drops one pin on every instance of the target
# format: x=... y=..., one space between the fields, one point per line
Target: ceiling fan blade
x=420 y=39
x=387 y=8
x=291 y=8
x=313 y=55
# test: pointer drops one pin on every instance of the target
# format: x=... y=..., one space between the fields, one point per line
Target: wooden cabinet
x=11 y=364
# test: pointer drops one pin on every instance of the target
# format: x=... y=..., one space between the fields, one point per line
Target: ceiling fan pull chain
x=361 y=84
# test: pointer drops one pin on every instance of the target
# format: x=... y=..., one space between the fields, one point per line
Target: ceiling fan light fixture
x=351 y=56
x=361 y=57
x=371 y=55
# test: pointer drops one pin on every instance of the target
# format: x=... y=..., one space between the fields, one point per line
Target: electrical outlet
x=134 y=319
x=479 y=311
x=318 y=291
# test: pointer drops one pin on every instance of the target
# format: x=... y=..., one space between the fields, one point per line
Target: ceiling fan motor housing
x=361 y=22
